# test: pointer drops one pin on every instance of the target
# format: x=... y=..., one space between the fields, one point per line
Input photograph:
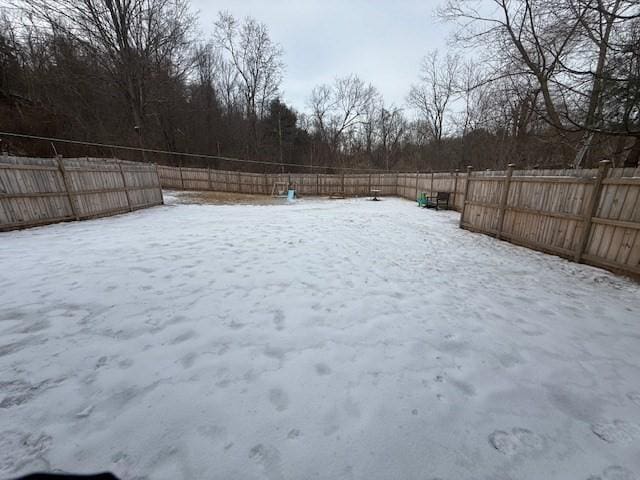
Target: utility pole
x=138 y=130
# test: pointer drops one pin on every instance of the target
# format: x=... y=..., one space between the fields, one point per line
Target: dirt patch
x=223 y=198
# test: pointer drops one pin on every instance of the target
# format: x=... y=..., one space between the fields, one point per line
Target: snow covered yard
x=323 y=339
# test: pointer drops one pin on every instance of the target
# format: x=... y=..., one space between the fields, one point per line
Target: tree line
x=550 y=84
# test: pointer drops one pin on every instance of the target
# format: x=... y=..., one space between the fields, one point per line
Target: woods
x=540 y=84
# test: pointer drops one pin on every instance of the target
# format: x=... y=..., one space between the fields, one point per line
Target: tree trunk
x=633 y=159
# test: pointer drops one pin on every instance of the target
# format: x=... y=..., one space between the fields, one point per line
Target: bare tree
x=567 y=49
x=132 y=38
x=257 y=62
x=432 y=95
x=393 y=128
x=339 y=109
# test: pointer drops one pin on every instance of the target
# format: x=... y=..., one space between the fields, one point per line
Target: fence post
x=159 y=184
x=239 y=184
x=466 y=193
x=317 y=184
x=181 y=178
x=603 y=170
x=431 y=188
x=124 y=185
x=455 y=187
x=65 y=181
x=343 y=192
x=417 y=175
x=504 y=198
x=209 y=176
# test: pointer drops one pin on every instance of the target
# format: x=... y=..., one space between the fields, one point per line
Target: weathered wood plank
x=37 y=191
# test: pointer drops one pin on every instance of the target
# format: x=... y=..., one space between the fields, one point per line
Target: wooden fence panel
x=142 y=185
x=591 y=216
x=481 y=210
x=31 y=192
x=41 y=191
x=304 y=183
x=330 y=184
x=170 y=177
x=424 y=184
x=406 y=185
x=357 y=185
x=614 y=240
x=547 y=212
x=252 y=183
x=195 y=178
x=385 y=182
x=95 y=187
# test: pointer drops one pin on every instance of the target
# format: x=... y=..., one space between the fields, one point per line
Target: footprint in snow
x=466 y=388
x=102 y=361
x=509 y=360
x=236 y=325
x=85 y=413
x=615 y=472
x=274 y=352
x=16 y=392
x=519 y=441
x=279 y=399
x=268 y=457
x=212 y=431
x=617 y=431
x=322 y=369
x=533 y=332
x=120 y=457
x=33 y=327
x=183 y=337
x=126 y=363
x=20 y=449
x=188 y=360
x=634 y=397
x=278 y=320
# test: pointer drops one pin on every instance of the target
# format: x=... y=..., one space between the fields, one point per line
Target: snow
x=319 y=339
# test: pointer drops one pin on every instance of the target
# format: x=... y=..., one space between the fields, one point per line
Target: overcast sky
x=382 y=41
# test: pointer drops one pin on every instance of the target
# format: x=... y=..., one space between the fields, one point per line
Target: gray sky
x=382 y=41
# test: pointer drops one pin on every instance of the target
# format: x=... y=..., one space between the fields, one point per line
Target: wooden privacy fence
x=586 y=218
x=258 y=183
x=406 y=185
x=590 y=216
x=38 y=191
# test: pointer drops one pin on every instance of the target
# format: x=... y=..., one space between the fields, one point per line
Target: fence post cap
x=604 y=163
x=511 y=165
x=469 y=167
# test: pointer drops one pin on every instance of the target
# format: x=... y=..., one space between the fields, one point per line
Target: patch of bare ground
x=224 y=198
